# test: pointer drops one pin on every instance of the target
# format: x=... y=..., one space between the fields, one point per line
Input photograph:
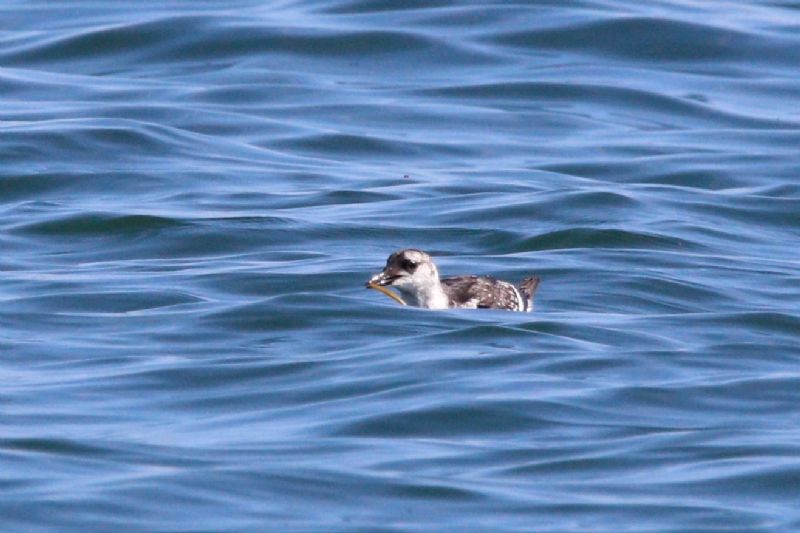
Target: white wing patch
x=520 y=301
x=472 y=303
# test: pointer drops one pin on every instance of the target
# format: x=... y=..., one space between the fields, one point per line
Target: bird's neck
x=428 y=293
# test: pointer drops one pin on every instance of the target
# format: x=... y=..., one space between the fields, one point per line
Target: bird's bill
x=382 y=279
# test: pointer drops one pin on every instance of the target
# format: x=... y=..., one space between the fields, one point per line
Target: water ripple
x=193 y=196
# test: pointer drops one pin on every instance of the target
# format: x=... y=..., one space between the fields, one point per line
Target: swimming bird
x=413 y=273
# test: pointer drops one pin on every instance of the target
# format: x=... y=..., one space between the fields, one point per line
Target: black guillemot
x=416 y=278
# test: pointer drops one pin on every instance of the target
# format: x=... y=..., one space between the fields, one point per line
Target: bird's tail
x=528 y=289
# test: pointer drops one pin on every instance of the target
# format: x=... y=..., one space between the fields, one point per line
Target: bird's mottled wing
x=481 y=292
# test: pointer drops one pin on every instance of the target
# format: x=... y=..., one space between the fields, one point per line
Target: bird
x=415 y=276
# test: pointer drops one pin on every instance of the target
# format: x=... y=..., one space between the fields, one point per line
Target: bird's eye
x=409 y=265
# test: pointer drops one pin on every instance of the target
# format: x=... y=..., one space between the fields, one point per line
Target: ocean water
x=192 y=195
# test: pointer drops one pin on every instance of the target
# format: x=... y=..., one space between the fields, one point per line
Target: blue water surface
x=192 y=195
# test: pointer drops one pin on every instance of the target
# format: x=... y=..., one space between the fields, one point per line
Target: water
x=192 y=195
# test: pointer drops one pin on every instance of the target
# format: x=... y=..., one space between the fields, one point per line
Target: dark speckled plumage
x=482 y=292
